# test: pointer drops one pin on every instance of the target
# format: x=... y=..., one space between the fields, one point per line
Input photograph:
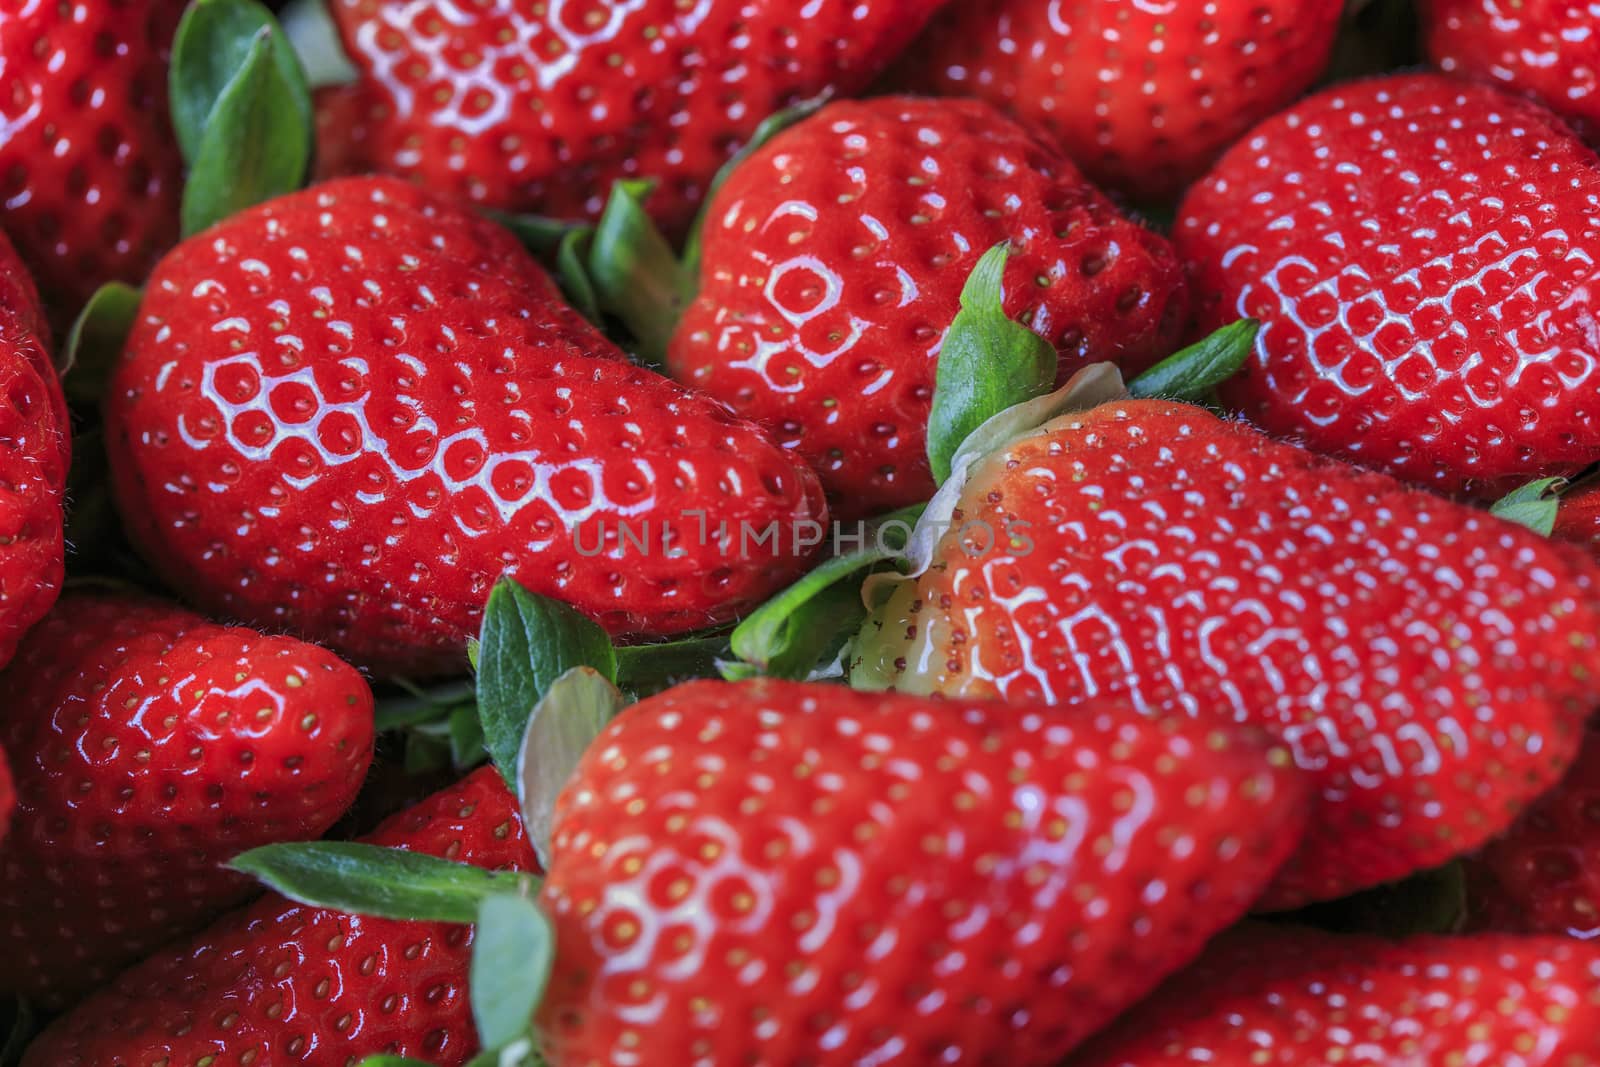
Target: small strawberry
x=1429 y=665
x=1424 y=285
x=524 y=105
x=1143 y=97
x=1301 y=998
x=283 y=983
x=150 y=747
x=835 y=257
x=1578 y=519
x=1546 y=49
x=89 y=168
x=348 y=411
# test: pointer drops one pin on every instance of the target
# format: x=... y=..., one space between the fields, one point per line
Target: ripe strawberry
x=835 y=257
x=284 y=983
x=1579 y=516
x=1546 y=49
x=530 y=106
x=1543 y=875
x=1424 y=284
x=784 y=873
x=34 y=457
x=89 y=167
x=348 y=411
x=1429 y=665
x=1302 y=998
x=1143 y=97
x=149 y=748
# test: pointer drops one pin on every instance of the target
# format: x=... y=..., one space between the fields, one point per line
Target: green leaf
x=572 y=272
x=636 y=275
x=94 y=344
x=527 y=642
x=392 y=1061
x=539 y=234
x=466 y=738
x=389 y=883
x=565 y=723
x=257 y=142
x=652 y=667
x=212 y=46
x=1535 y=505
x=988 y=363
x=425 y=753
x=513 y=952
x=1192 y=373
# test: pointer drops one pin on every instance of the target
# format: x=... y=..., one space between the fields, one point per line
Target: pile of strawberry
x=726 y=533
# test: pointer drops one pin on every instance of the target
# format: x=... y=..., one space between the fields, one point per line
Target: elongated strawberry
x=1579 y=516
x=1300 y=998
x=1143 y=97
x=834 y=259
x=150 y=747
x=531 y=106
x=785 y=873
x=283 y=983
x=1428 y=665
x=1424 y=286
x=348 y=411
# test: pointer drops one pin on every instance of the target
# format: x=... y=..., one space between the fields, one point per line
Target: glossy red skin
x=1434 y=321
x=294 y=984
x=834 y=261
x=1578 y=518
x=529 y=106
x=464 y=424
x=143 y=763
x=90 y=174
x=1546 y=49
x=1429 y=666
x=783 y=873
x=1143 y=97
x=1293 y=997
x=1543 y=875
x=34 y=456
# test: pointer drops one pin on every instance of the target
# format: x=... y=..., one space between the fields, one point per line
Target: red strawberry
x=1301 y=998
x=1579 y=516
x=1429 y=665
x=283 y=983
x=1417 y=248
x=1547 y=49
x=89 y=168
x=530 y=106
x=1543 y=876
x=350 y=410
x=783 y=873
x=1142 y=96
x=34 y=456
x=150 y=747
x=835 y=257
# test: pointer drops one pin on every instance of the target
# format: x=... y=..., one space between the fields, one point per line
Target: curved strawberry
x=785 y=873
x=1301 y=998
x=150 y=747
x=349 y=410
x=1578 y=519
x=524 y=105
x=1143 y=97
x=281 y=983
x=1430 y=666
x=1424 y=287
x=834 y=258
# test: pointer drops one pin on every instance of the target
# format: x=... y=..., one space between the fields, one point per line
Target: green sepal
x=386 y=1060
x=572 y=273
x=988 y=363
x=94 y=344
x=539 y=234
x=635 y=273
x=388 y=883
x=575 y=709
x=212 y=45
x=513 y=953
x=314 y=36
x=1191 y=374
x=649 y=668
x=1535 y=505
x=418 y=705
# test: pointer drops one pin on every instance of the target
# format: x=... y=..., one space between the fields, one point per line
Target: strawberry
x=89 y=166
x=1301 y=998
x=1424 y=285
x=1429 y=665
x=785 y=873
x=835 y=257
x=1579 y=516
x=1543 y=875
x=1143 y=97
x=149 y=748
x=281 y=982
x=524 y=105
x=34 y=457
x=1546 y=49
x=8 y=796
x=349 y=410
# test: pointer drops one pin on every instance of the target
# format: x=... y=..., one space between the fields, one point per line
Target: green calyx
x=1535 y=505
